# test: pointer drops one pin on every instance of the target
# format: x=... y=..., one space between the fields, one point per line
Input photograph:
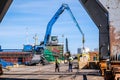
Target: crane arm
x=53 y=20
x=75 y=21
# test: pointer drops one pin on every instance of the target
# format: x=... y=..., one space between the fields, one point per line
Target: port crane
x=54 y=19
x=40 y=48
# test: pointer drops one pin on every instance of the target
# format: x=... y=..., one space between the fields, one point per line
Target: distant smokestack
x=67 y=50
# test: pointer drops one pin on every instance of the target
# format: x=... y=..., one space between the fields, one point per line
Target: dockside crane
x=54 y=19
x=40 y=48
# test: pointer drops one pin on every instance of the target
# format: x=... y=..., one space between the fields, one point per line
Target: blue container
x=0 y=48
x=27 y=48
x=5 y=63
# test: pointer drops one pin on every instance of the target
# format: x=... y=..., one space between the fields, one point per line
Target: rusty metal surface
x=4 y=5
x=100 y=17
x=113 y=6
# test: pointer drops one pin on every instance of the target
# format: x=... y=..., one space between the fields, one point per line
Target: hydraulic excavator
x=54 y=19
x=40 y=48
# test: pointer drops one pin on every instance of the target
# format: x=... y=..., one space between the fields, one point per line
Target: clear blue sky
x=25 y=18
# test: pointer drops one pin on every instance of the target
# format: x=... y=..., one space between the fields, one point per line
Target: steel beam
x=101 y=18
x=4 y=5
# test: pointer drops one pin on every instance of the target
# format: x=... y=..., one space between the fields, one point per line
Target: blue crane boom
x=53 y=20
x=39 y=49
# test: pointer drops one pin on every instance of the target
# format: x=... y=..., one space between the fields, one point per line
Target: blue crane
x=53 y=20
x=40 y=48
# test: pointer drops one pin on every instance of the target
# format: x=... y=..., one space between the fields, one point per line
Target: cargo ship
x=15 y=55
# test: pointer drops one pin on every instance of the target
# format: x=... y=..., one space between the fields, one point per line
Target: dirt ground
x=47 y=72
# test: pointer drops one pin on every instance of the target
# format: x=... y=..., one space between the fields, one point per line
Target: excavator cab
x=38 y=49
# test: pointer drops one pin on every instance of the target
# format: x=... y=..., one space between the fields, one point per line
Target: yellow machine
x=83 y=60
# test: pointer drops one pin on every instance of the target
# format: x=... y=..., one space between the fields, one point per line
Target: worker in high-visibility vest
x=70 y=64
x=57 y=64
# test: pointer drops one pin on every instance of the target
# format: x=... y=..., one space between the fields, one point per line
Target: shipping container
x=53 y=50
x=16 y=57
